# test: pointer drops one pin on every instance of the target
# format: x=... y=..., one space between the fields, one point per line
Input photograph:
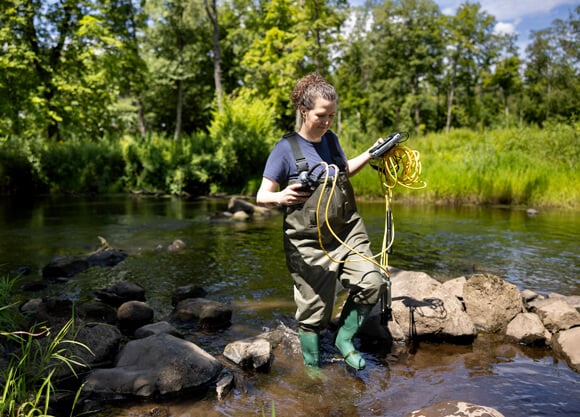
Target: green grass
x=525 y=166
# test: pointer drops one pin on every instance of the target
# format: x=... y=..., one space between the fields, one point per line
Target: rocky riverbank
x=132 y=356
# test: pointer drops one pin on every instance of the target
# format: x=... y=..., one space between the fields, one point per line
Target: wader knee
x=370 y=289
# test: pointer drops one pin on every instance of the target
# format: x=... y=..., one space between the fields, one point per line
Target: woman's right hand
x=293 y=194
x=289 y=196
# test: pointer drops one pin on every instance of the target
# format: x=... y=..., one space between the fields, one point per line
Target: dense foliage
x=190 y=95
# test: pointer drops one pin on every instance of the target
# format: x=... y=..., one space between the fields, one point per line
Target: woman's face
x=318 y=120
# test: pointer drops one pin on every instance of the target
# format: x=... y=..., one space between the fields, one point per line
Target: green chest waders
x=316 y=272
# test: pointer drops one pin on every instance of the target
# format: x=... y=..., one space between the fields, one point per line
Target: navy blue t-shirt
x=281 y=164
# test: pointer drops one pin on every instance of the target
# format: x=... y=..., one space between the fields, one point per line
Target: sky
x=515 y=16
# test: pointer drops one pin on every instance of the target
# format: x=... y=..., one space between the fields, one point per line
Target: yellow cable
x=399 y=166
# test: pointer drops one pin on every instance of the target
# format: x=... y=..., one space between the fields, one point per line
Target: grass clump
x=37 y=358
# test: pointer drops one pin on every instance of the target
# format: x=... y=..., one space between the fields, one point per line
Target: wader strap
x=302 y=164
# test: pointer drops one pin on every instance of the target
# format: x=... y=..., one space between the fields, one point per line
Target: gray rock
x=529 y=295
x=156 y=328
x=64 y=266
x=134 y=314
x=121 y=292
x=98 y=311
x=176 y=245
x=208 y=313
x=527 y=328
x=251 y=353
x=187 y=291
x=455 y=409
x=157 y=365
x=556 y=313
x=455 y=286
x=374 y=328
x=423 y=308
x=491 y=302
x=106 y=257
x=103 y=342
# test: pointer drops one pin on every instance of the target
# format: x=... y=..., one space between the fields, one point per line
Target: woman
x=340 y=254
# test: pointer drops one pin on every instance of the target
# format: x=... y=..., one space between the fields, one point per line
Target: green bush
x=80 y=167
x=159 y=164
x=244 y=135
x=18 y=171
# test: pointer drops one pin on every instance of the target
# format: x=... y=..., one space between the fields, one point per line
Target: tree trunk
x=416 y=108
x=212 y=14
x=179 y=110
x=450 y=95
x=141 y=117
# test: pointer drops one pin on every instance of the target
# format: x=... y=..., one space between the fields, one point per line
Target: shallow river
x=243 y=264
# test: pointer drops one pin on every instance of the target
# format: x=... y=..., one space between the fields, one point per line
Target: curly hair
x=307 y=90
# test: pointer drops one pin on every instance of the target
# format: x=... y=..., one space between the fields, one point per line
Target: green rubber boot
x=352 y=316
x=310 y=344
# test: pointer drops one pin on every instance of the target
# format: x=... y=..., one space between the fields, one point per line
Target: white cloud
x=502 y=28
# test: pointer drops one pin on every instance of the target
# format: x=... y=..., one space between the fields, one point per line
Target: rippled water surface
x=243 y=264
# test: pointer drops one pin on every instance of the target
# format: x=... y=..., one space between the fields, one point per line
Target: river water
x=242 y=263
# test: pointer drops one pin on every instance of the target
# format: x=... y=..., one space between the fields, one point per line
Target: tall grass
x=518 y=166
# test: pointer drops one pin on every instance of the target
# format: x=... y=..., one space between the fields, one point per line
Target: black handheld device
x=382 y=148
x=308 y=181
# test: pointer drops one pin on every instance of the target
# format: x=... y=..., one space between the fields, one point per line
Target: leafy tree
x=470 y=46
x=291 y=39
x=506 y=78
x=64 y=59
x=551 y=72
x=353 y=75
x=176 y=48
x=405 y=57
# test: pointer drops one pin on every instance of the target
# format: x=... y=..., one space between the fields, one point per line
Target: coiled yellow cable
x=399 y=166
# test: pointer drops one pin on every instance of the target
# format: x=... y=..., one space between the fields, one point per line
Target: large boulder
x=156 y=365
x=423 y=309
x=491 y=302
x=456 y=409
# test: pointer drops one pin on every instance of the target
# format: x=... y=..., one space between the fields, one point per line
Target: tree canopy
x=92 y=69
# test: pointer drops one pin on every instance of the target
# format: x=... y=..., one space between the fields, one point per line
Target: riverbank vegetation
x=189 y=96
x=517 y=166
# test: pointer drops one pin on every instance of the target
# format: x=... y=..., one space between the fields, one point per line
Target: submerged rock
x=456 y=409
